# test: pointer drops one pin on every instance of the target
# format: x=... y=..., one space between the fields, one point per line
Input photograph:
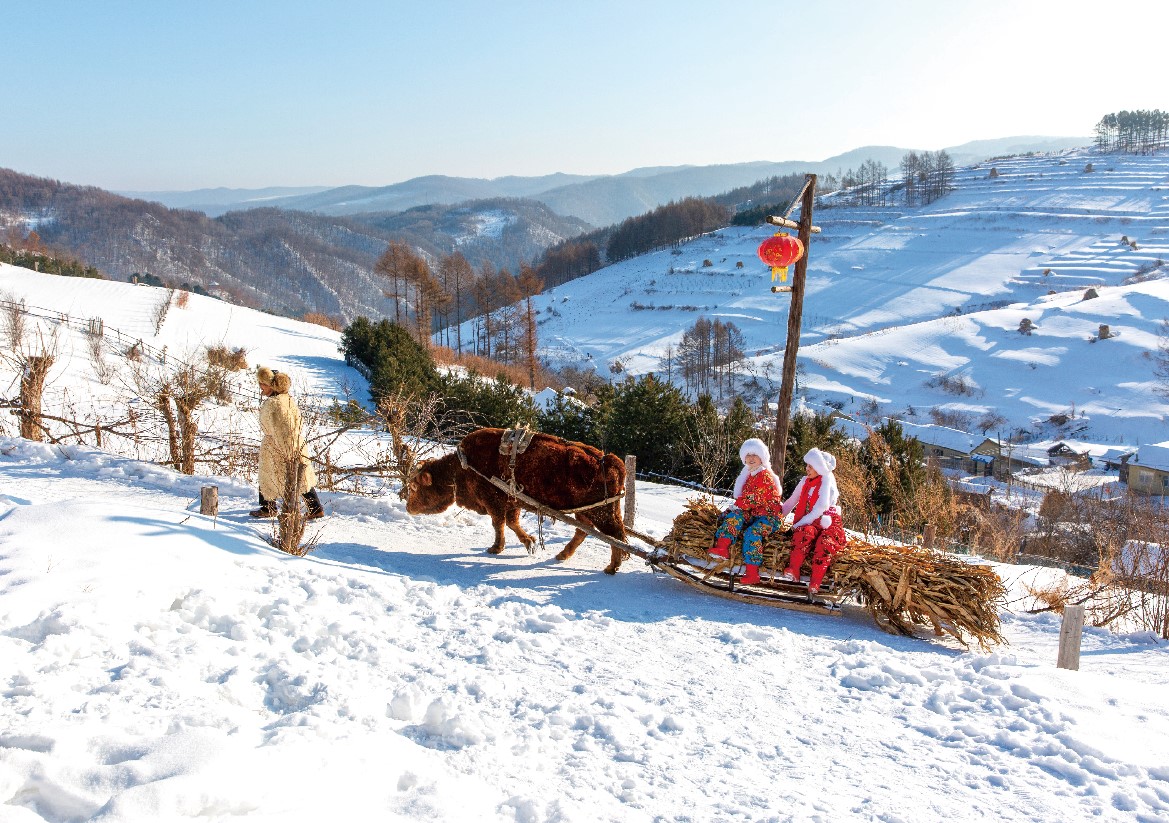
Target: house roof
x=1154 y=456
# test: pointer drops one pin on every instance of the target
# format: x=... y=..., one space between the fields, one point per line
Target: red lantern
x=779 y=252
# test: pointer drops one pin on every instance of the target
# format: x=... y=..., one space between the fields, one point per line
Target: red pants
x=824 y=543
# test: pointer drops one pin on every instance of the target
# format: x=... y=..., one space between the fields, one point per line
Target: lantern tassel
x=781 y=271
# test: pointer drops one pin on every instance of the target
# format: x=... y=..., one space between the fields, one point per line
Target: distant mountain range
x=599 y=200
x=295 y=250
x=289 y=262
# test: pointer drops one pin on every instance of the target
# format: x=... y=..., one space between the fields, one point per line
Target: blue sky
x=251 y=93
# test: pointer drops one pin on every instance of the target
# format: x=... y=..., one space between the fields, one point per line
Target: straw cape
x=901 y=586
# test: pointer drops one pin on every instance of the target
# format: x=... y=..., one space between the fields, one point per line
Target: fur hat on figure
x=264 y=375
x=281 y=382
x=824 y=463
x=758 y=448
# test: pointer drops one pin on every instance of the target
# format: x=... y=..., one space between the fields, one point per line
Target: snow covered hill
x=902 y=305
x=157 y=664
x=307 y=352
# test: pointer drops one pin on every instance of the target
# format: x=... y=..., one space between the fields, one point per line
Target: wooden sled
x=718 y=581
x=770 y=592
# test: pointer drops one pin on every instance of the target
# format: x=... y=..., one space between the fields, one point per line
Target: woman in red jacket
x=757 y=510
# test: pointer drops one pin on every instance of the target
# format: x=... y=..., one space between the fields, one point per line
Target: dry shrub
x=230 y=359
x=291 y=521
x=182 y=299
x=329 y=321
x=997 y=531
x=97 y=357
x=14 y=321
x=1049 y=596
x=856 y=491
x=515 y=373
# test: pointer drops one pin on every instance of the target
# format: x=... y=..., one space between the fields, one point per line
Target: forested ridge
x=287 y=262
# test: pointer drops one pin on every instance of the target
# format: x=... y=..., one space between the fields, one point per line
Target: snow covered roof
x=1153 y=456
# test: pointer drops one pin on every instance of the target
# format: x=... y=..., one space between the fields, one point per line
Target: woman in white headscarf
x=817 y=526
x=756 y=513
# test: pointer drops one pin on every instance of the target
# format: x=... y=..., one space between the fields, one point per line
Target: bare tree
x=394 y=265
x=457 y=277
x=529 y=284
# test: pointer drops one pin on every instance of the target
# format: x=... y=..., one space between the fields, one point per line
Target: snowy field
x=162 y=665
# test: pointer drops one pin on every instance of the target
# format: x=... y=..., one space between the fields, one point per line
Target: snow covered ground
x=163 y=665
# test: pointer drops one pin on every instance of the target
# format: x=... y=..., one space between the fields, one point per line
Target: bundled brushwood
x=904 y=585
x=900 y=585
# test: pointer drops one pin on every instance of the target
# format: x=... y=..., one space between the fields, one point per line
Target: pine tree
x=647 y=418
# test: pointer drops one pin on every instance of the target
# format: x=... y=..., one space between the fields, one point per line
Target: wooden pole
x=794 y=319
x=630 y=489
x=927 y=537
x=209 y=500
x=1070 y=632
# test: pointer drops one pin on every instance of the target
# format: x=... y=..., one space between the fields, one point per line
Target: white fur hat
x=822 y=462
x=756 y=447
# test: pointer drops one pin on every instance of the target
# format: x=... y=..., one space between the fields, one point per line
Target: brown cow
x=559 y=473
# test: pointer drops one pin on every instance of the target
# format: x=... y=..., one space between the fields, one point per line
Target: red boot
x=751 y=577
x=722 y=547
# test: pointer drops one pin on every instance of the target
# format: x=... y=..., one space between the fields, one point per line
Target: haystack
x=901 y=586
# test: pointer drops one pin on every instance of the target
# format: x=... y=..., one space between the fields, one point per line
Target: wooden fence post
x=209 y=500
x=630 y=489
x=1070 y=632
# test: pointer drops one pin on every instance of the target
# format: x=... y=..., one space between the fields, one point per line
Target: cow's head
x=430 y=489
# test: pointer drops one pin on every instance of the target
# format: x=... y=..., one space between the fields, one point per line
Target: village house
x=955 y=449
x=1147 y=472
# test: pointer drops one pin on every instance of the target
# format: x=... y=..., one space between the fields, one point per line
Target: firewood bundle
x=900 y=585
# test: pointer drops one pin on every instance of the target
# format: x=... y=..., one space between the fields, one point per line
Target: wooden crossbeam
x=776 y=220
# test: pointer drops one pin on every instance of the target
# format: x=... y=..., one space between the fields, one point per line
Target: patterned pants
x=754 y=529
x=824 y=543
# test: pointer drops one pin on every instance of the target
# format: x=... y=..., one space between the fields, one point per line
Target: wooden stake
x=630 y=489
x=794 y=319
x=1070 y=632
x=209 y=500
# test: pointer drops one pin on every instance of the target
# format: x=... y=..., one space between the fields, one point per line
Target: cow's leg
x=497 y=521
x=570 y=549
x=513 y=522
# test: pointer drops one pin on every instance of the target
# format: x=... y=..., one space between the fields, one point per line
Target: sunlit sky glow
x=245 y=94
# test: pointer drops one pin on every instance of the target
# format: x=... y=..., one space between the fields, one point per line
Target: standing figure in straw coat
x=281 y=424
x=818 y=525
x=756 y=512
